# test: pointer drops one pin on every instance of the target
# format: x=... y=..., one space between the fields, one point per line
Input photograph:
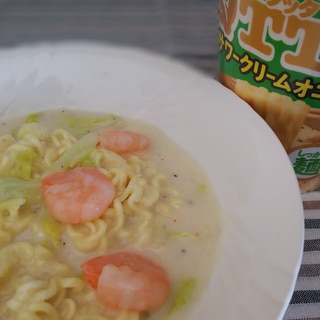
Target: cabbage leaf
x=81 y=125
x=183 y=295
x=23 y=164
x=52 y=228
x=33 y=117
x=181 y=234
x=75 y=154
x=13 y=188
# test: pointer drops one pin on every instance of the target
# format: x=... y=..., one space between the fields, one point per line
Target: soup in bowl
x=102 y=217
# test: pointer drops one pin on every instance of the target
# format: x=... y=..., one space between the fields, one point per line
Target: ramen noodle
x=269 y=56
x=161 y=209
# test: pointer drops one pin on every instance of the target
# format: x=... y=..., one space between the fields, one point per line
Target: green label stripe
x=243 y=64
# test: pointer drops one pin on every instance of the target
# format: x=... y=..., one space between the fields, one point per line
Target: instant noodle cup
x=270 y=57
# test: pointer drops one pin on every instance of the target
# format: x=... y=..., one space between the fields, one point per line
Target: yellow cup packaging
x=270 y=57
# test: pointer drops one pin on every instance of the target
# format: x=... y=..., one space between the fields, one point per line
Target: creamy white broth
x=185 y=240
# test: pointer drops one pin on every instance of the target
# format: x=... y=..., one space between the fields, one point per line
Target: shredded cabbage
x=33 y=117
x=52 y=229
x=87 y=162
x=178 y=234
x=75 y=154
x=202 y=187
x=183 y=294
x=81 y=125
x=13 y=188
x=23 y=164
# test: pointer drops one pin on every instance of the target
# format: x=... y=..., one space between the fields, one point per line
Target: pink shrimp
x=123 y=141
x=127 y=281
x=77 y=195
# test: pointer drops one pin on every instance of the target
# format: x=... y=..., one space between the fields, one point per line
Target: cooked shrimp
x=127 y=281
x=77 y=195
x=123 y=141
